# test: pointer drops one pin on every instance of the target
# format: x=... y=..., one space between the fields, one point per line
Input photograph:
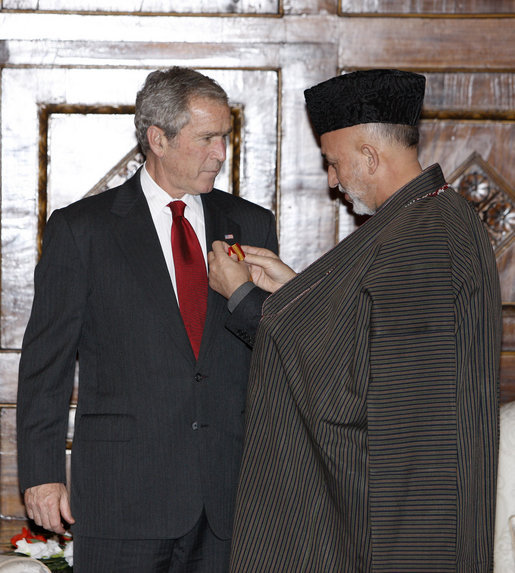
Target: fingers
x=226 y=274
x=220 y=247
x=260 y=260
x=219 y=253
x=261 y=251
x=46 y=504
x=260 y=265
x=269 y=273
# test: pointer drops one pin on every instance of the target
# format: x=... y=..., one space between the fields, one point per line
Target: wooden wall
x=70 y=70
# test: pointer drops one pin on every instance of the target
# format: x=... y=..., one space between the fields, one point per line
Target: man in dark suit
x=371 y=435
x=122 y=283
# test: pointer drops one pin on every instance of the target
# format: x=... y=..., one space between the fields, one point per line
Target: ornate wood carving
x=491 y=196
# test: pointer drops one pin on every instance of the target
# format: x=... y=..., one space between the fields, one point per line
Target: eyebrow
x=214 y=133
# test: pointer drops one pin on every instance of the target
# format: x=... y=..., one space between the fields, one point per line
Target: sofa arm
x=504 y=545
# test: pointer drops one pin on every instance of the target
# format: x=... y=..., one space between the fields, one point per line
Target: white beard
x=358 y=206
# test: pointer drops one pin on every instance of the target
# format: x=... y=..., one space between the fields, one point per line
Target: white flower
x=68 y=553
x=32 y=549
x=54 y=549
x=39 y=550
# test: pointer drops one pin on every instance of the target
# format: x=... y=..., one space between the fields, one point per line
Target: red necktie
x=190 y=275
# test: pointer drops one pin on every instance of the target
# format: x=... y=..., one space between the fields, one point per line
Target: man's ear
x=156 y=140
x=371 y=157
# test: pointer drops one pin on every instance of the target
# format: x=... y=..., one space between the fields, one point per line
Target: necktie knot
x=177 y=208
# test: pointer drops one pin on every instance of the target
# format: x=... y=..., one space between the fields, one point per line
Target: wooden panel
x=506 y=266
x=508 y=355
x=149 y=6
x=432 y=7
x=12 y=510
x=9 y=492
x=476 y=95
x=269 y=7
x=9 y=361
x=306 y=7
x=509 y=327
x=428 y=43
x=507 y=377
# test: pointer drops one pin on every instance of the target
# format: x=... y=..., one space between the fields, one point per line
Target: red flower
x=29 y=536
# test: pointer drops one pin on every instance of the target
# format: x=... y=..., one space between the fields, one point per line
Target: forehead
x=334 y=142
x=331 y=142
x=209 y=112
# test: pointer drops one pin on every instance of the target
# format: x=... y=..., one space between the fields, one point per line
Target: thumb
x=66 y=509
x=219 y=247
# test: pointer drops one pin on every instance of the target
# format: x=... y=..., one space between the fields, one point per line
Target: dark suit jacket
x=371 y=441
x=158 y=435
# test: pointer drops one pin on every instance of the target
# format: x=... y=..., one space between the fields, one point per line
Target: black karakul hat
x=368 y=96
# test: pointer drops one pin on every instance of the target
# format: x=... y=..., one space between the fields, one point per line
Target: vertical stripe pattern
x=372 y=409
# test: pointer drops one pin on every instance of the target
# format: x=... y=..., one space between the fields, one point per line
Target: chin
x=207 y=185
x=360 y=208
x=203 y=191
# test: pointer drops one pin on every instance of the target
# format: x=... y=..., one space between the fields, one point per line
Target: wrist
x=239 y=294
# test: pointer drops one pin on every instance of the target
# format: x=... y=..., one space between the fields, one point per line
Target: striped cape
x=371 y=439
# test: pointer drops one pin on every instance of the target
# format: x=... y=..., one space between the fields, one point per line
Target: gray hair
x=404 y=135
x=164 y=100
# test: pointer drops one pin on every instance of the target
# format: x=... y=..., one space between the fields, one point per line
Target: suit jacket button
x=194 y=426
x=198 y=377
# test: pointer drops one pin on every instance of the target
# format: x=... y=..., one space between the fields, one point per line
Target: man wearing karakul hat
x=371 y=440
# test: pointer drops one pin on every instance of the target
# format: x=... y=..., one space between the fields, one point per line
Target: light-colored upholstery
x=504 y=547
x=15 y=564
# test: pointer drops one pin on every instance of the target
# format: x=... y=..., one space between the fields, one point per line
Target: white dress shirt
x=158 y=200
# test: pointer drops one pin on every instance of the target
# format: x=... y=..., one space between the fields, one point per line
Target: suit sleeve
x=244 y=320
x=48 y=358
x=245 y=317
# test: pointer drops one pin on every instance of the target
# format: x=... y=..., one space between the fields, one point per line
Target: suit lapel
x=138 y=240
x=218 y=227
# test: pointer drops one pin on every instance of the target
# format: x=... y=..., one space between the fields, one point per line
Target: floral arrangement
x=56 y=555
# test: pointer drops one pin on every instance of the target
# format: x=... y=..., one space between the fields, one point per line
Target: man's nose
x=219 y=150
x=332 y=178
